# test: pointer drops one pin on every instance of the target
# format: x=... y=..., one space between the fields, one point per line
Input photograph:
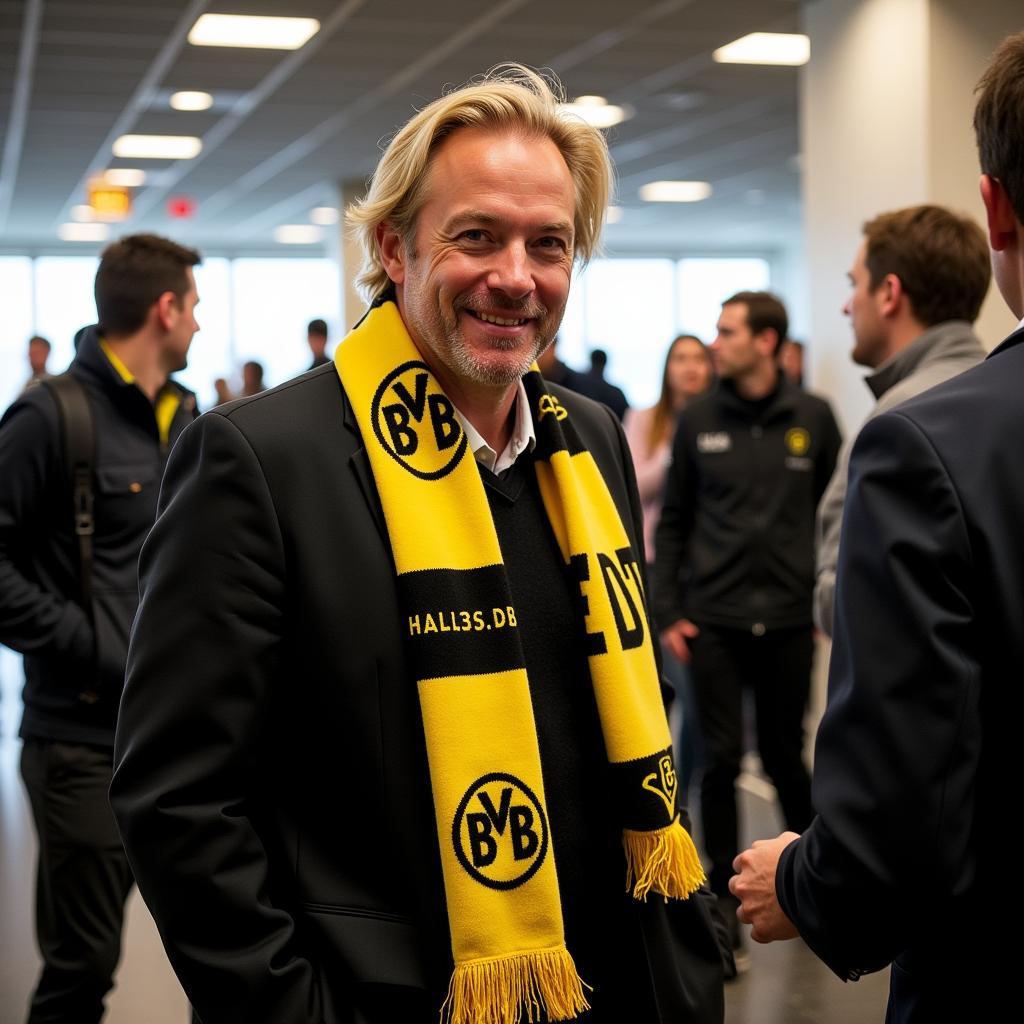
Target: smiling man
x=395 y=739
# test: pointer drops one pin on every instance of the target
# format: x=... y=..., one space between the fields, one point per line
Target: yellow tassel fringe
x=664 y=861
x=501 y=990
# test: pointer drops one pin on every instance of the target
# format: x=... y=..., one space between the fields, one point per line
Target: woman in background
x=688 y=373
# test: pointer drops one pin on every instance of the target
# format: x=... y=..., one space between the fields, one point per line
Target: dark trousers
x=82 y=880
x=776 y=667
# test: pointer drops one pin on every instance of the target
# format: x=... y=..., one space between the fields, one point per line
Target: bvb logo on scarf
x=500 y=831
x=416 y=423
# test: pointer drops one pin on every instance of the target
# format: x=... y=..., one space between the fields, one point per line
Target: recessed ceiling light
x=84 y=213
x=297 y=234
x=126 y=177
x=613 y=214
x=596 y=111
x=84 y=232
x=790 y=49
x=324 y=215
x=191 y=101
x=157 y=147
x=252 y=31
x=675 y=191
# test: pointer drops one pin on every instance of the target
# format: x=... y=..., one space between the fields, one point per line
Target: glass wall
x=248 y=309
x=258 y=309
x=633 y=308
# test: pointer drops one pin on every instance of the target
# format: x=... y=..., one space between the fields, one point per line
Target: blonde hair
x=510 y=98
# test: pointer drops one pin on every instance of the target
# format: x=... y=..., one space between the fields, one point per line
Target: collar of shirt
x=523 y=437
x=1021 y=324
x=167 y=399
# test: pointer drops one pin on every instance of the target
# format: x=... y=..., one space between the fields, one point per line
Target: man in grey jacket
x=918 y=282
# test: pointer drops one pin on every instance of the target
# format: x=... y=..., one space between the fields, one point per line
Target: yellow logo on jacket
x=798 y=441
x=416 y=423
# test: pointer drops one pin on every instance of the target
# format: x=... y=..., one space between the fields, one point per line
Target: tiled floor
x=786 y=984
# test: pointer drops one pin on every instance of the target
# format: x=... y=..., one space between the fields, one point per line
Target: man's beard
x=468 y=363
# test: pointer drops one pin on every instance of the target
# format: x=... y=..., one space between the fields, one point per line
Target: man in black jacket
x=75 y=648
x=908 y=859
x=735 y=567
x=273 y=783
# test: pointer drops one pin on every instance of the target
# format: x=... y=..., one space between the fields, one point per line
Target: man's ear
x=392 y=251
x=999 y=212
x=767 y=342
x=166 y=307
x=890 y=292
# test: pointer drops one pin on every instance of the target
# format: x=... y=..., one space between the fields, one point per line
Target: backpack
x=78 y=441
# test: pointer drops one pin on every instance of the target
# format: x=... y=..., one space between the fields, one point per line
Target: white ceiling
x=287 y=127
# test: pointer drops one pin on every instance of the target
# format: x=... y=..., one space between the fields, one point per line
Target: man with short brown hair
x=918 y=282
x=69 y=591
x=907 y=861
x=735 y=565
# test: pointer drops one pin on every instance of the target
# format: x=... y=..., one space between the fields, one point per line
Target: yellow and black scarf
x=497 y=852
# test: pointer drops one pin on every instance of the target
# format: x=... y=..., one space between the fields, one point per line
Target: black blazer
x=913 y=782
x=271 y=779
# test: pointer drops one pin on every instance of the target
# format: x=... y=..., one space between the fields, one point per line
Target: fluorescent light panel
x=613 y=215
x=596 y=111
x=781 y=48
x=157 y=147
x=84 y=232
x=126 y=177
x=675 y=191
x=83 y=213
x=191 y=101
x=297 y=234
x=324 y=215
x=252 y=31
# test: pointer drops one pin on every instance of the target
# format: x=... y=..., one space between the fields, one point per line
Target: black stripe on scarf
x=460 y=622
x=644 y=790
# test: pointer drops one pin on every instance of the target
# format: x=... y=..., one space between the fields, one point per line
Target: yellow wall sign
x=109 y=202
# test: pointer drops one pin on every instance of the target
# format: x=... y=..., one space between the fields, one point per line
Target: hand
x=676 y=636
x=754 y=887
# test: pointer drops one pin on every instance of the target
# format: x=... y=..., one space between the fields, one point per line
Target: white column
x=886 y=104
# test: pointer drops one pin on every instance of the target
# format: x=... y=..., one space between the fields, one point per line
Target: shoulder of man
x=296 y=412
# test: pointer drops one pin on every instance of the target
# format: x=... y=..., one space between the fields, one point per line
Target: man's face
x=182 y=327
x=483 y=282
x=317 y=343
x=870 y=336
x=735 y=350
x=38 y=353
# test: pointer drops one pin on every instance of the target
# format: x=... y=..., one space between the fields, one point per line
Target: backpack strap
x=79 y=446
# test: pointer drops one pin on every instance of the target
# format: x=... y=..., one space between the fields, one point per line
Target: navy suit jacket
x=906 y=862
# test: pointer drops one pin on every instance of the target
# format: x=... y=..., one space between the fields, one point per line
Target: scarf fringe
x=664 y=861
x=502 y=989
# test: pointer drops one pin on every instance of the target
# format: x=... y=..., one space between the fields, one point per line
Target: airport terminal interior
x=736 y=169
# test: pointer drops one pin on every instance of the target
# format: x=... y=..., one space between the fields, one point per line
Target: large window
x=633 y=308
x=258 y=309
x=15 y=325
x=248 y=309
